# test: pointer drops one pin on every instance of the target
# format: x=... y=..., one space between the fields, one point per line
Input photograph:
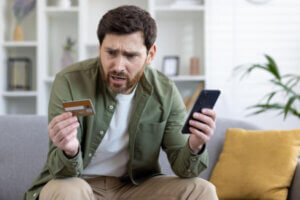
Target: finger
x=65 y=132
x=63 y=124
x=209 y=112
x=204 y=119
x=59 y=118
x=50 y=132
x=63 y=143
x=202 y=127
x=199 y=135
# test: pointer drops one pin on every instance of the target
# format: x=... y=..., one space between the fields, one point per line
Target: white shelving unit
x=20 y=94
x=20 y=44
x=187 y=78
x=179 y=9
x=181 y=32
x=55 y=10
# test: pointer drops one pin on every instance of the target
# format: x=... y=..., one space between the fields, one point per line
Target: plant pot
x=66 y=59
x=18 y=33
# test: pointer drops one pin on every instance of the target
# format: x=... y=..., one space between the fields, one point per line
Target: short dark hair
x=128 y=19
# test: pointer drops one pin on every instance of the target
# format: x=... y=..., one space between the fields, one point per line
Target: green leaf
x=290 y=81
x=248 y=69
x=272 y=94
x=295 y=83
x=269 y=106
x=272 y=66
x=264 y=107
x=284 y=87
x=257 y=112
x=288 y=106
x=287 y=85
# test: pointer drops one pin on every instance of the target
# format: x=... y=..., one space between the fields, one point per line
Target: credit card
x=79 y=107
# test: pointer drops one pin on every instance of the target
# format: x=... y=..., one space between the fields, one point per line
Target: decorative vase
x=66 y=59
x=63 y=3
x=194 y=66
x=18 y=33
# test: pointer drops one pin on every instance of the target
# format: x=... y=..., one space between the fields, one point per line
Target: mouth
x=117 y=79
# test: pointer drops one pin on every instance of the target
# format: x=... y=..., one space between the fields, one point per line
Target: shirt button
x=193 y=159
x=90 y=155
x=101 y=132
x=34 y=195
x=111 y=107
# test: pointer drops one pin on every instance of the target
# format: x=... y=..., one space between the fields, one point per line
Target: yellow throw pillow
x=256 y=164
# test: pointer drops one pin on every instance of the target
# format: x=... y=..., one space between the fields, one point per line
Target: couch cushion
x=256 y=164
x=214 y=145
x=24 y=147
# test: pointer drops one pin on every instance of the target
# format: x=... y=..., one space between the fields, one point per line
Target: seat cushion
x=24 y=146
x=256 y=164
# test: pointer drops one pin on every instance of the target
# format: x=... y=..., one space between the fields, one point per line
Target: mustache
x=120 y=74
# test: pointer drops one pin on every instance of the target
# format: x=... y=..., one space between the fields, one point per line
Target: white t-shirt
x=112 y=155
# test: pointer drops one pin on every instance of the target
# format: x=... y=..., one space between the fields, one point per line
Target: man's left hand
x=202 y=128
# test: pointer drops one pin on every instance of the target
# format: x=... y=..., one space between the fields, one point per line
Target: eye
x=131 y=56
x=111 y=53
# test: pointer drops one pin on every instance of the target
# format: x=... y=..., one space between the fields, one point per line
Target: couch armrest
x=294 y=192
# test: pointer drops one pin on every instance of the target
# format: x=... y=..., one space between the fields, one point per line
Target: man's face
x=123 y=59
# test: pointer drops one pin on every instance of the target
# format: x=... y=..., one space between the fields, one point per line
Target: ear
x=151 y=54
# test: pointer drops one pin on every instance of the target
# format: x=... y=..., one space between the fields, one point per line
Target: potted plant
x=286 y=86
x=21 y=9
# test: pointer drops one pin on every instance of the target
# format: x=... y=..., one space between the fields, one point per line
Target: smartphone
x=206 y=99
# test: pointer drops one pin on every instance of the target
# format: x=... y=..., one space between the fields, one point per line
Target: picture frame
x=19 y=73
x=170 y=65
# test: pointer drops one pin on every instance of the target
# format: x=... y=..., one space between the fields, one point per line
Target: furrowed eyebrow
x=109 y=49
x=126 y=53
x=131 y=53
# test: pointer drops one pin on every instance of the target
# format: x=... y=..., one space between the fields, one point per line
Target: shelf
x=53 y=9
x=20 y=94
x=46 y=29
x=61 y=12
x=20 y=44
x=188 y=78
x=179 y=8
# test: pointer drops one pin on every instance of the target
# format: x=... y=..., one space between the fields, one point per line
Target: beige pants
x=156 y=188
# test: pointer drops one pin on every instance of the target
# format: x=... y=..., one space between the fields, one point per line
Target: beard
x=121 y=82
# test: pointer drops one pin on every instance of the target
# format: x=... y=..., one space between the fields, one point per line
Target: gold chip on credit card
x=79 y=108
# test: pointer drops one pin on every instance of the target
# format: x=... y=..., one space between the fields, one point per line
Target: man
x=114 y=154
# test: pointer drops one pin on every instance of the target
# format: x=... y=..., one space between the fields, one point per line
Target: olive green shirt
x=158 y=114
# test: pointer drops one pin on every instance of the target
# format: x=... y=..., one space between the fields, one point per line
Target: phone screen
x=206 y=99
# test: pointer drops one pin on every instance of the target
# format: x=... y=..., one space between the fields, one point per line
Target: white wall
x=240 y=32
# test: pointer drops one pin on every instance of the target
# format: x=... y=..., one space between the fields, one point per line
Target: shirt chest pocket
x=150 y=134
x=153 y=128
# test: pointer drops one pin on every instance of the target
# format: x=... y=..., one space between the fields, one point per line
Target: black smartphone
x=206 y=99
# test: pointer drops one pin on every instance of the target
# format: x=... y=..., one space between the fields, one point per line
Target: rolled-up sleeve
x=59 y=164
x=183 y=161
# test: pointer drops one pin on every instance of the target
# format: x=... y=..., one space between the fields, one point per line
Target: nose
x=119 y=64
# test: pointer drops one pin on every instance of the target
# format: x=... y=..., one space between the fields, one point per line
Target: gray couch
x=24 y=146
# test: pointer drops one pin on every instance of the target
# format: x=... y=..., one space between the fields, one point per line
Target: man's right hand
x=63 y=133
